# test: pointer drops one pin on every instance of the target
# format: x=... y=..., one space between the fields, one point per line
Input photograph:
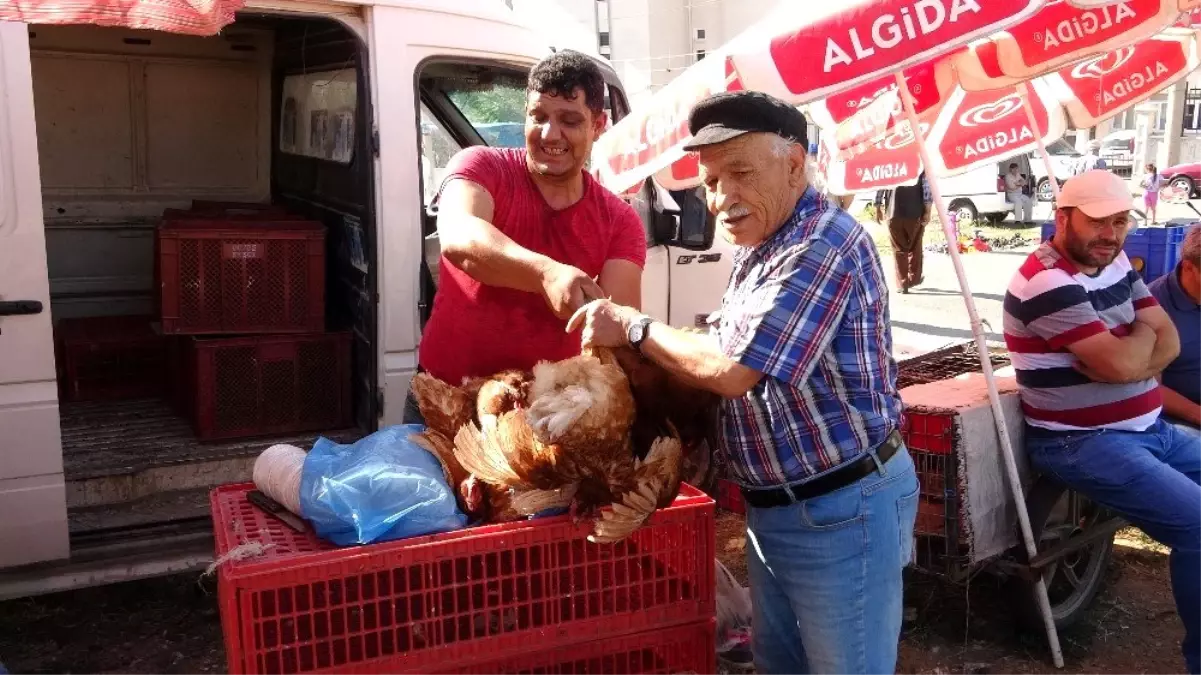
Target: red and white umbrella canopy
x=1098 y=88
x=1182 y=5
x=1057 y=35
x=190 y=17
x=801 y=52
x=974 y=129
x=888 y=163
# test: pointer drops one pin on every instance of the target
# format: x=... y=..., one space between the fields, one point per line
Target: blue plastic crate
x=1154 y=251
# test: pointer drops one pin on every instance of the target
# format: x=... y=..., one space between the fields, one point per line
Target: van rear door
x=32 y=493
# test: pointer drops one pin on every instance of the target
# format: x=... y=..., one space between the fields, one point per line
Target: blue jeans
x=1153 y=478
x=825 y=575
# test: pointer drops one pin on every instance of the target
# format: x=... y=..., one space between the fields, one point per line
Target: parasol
x=972 y=129
x=190 y=17
x=799 y=57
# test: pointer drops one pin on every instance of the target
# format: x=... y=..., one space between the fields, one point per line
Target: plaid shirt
x=809 y=309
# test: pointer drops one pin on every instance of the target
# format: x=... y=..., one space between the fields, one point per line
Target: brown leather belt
x=860 y=468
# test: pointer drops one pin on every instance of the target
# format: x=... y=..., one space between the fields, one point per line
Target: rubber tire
x=965 y=205
x=1185 y=181
x=1044 y=184
x=1040 y=501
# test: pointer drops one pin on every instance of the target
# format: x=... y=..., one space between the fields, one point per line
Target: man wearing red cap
x=1087 y=340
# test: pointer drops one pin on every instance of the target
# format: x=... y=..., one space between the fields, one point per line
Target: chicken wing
x=446 y=408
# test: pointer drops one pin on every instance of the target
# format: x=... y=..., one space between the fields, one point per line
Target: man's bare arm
x=1167 y=338
x=472 y=243
x=1180 y=407
x=1130 y=360
x=1105 y=357
x=621 y=280
x=698 y=360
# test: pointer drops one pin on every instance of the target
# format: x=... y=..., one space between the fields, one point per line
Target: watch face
x=636 y=332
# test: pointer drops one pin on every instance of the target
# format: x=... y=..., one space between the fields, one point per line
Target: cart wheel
x=1057 y=513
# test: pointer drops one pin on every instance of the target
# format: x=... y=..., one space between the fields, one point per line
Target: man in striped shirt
x=1087 y=340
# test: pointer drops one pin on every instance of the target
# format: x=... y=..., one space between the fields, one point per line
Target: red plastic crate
x=729 y=496
x=248 y=276
x=928 y=432
x=931 y=517
x=226 y=208
x=265 y=385
x=230 y=213
x=683 y=649
x=492 y=594
x=111 y=357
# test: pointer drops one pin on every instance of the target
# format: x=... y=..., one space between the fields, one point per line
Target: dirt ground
x=171 y=625
x=1131 y=627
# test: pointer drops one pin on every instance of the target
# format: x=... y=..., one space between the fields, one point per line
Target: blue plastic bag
x=379 y=488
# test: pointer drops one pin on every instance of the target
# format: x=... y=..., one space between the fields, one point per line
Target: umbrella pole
x=994 y=396
x=1042 y=148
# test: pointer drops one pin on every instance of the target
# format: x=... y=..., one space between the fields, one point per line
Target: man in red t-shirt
x=528 y=236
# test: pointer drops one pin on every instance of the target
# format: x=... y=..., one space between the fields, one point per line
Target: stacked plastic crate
x=241 y=297
x=932 y=441
x=522 y=597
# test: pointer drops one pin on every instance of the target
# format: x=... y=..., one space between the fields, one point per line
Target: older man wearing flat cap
x=802 y=356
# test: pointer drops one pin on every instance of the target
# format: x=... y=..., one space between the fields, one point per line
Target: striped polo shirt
x=1049 y=306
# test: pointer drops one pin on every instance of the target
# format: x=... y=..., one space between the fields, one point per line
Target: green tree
x=491 y=106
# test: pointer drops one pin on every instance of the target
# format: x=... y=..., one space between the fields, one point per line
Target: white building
x=651 y=41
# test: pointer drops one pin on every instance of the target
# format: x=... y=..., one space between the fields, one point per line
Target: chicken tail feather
x=656 y=484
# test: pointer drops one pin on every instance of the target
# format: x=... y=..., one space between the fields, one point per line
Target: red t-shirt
x=477 y=330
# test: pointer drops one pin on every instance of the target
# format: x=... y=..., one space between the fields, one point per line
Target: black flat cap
x=727 y=115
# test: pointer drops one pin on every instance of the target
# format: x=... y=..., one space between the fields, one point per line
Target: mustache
x=737 y=211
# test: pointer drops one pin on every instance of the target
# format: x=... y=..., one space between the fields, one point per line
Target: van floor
x=130 y=455
x=105 y=438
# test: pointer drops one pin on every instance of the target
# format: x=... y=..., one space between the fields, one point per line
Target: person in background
x=1088 y=340
x=802 y=357
x=907 y=209
x=528 y=235
x=817 y=181
x=1091 y=160
x=1151 y=183
x=1015 y=193
x=1179 y=293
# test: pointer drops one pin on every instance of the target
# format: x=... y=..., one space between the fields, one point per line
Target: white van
x=101 y=129
x=977 y=195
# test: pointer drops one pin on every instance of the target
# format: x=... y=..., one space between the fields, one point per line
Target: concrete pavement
x=933 y=315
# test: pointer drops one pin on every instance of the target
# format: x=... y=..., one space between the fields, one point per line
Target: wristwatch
x=638 y=331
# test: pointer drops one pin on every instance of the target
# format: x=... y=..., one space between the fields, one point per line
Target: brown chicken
x=604 y=428
x=447 y=409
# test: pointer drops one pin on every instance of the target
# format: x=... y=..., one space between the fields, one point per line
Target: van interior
x=132 y=123
x=274 y=110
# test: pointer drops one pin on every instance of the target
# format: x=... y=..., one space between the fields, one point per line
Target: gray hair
x=1191 y=249
x=782 y=147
